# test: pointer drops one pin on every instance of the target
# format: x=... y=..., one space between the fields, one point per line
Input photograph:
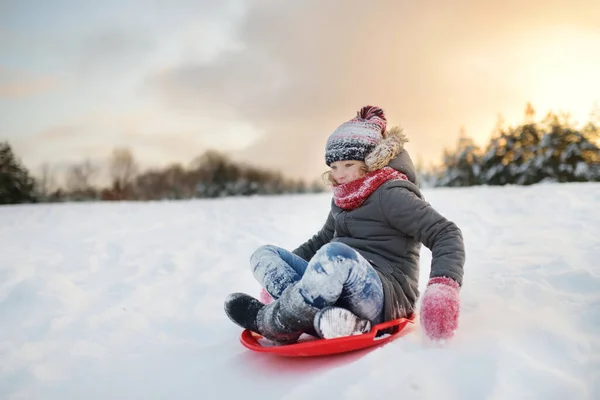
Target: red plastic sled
x=322 y=347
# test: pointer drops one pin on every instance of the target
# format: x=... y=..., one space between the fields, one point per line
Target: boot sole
x=334 y=322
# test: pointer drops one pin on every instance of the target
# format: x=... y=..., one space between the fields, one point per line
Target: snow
x=125 y=300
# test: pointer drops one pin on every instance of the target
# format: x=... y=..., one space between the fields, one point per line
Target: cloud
x=59 y=133
x=113 y=51
x=156 y=138
x=286 y=72
x=300 y=72
x=302 y=68
x=22 y=87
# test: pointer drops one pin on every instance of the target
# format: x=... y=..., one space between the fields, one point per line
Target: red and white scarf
x=353 y=194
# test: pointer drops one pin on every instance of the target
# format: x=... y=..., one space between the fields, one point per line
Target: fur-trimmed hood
x=391 y=152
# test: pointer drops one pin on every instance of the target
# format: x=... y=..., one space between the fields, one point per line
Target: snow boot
x=286 y=318
x=242 y=309
x=333 y=322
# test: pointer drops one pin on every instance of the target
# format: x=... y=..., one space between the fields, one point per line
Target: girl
x=362 y=267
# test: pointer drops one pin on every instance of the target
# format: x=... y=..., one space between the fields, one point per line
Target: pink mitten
x=440 y=308
x=265 y=297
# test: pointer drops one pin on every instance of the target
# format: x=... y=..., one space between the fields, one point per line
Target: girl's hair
x=327 y=176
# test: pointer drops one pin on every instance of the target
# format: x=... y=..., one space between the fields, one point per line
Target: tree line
x=212 y=174
x=549 y=150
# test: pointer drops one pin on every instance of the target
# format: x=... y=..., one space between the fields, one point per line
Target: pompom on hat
x=355 y=139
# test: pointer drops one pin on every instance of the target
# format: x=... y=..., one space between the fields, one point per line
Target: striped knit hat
x=355 y=139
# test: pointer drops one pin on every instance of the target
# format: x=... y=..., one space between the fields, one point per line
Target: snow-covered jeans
x=336 y=275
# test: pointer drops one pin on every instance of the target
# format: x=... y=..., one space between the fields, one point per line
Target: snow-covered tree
x=553 y=150
x=566 y=154
x=526 y=143
x=462 y=166
x=496 y=159
x=493 y=170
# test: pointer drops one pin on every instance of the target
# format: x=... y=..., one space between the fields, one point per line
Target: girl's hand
x=440 y=308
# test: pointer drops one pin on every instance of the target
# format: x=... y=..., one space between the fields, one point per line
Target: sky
x=266 y=82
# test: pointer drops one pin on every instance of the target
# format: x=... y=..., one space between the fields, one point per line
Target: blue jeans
x=336 y=275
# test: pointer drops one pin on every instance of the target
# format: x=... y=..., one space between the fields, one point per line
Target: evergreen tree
x=553 y=150
x=524 y=170
x=493 y=171
x=494 y=167
x=16 y=185
x=462 y=167
x=558 y=152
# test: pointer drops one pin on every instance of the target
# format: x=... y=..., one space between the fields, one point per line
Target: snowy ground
x=124 y=301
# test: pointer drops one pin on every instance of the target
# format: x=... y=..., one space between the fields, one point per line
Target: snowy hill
x=124 y=301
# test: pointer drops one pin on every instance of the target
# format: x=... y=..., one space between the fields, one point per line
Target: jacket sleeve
x=324 y=236
x=415 y=217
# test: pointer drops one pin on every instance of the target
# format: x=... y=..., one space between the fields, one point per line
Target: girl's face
x=347 y=171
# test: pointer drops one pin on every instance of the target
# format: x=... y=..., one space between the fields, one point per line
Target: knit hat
x=355 y=139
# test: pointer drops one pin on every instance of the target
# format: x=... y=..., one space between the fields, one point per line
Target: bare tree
x=46 y=180
x=80 y=176
x=123 y=168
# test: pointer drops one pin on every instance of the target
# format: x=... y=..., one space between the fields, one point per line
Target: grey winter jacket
x=388 y=230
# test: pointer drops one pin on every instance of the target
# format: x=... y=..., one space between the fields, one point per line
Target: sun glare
x=566 y=75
